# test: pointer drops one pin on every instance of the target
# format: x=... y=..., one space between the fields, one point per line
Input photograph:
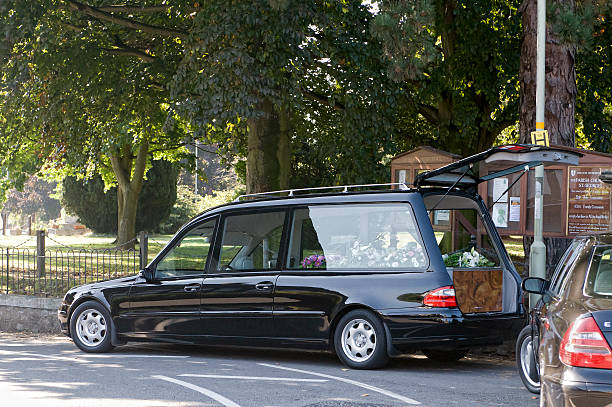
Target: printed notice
x=500 y=214
x=588 y=206
x=443 y=215
x=499 y=186
x=515 y=209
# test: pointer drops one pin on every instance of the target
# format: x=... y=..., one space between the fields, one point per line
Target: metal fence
x=51 y=273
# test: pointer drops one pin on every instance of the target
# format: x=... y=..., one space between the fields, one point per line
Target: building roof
x=432 y=149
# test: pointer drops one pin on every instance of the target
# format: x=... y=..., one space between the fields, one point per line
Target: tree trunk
x=559 y=107
x=130 y=184
x=560 y=81
x=268 y=150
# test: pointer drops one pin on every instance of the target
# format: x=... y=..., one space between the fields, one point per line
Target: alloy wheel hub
x=360 y=339
x=92 y=327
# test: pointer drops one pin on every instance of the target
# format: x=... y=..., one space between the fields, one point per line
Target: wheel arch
x=84 y=298
x=391 y=351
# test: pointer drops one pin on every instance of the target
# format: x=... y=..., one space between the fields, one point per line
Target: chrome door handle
x=266 y=285
x=191 y=287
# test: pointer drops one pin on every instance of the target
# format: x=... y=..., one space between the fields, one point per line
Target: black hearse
x=353 y=269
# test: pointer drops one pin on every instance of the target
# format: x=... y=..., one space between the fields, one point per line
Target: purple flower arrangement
x=316 y=261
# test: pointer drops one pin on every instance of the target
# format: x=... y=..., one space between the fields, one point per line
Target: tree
x=84 y=91
x=97 y=208
x=35 y=198
x=570 y=27
x=594 y=77
x=457 y=61
x=272 y=66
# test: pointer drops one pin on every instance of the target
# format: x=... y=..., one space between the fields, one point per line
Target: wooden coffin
x=478 y=289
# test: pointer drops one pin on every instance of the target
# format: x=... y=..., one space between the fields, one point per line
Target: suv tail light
x=441 y=297
x=584 y=345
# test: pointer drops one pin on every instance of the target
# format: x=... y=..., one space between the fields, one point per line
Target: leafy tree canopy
x=458 y=63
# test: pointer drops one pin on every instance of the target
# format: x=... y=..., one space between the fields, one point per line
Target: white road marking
x=118 y=355
x=76 y=357
x=349 y=381
x=209 y=393
x=279 y=379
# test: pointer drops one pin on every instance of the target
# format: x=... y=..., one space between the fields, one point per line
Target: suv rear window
x=360 y=236
x=599 y=280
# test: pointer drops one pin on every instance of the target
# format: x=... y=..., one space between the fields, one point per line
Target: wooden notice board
x=588 y=203
x=478 y=289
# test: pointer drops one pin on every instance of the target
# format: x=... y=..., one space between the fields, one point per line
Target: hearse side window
x=251 y=241
x=188 y=256
x=359 y=236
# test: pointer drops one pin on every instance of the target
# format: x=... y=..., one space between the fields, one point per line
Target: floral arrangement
x=466 y=259
x=316 y=261
x=378 y=255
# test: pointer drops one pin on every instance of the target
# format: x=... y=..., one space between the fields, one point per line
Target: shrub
x=97 y=209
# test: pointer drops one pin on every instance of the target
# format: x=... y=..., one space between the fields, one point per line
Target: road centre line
x=209 y=393
x=349 y=381
x=279 y=379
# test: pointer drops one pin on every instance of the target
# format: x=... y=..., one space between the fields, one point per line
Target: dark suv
x=369 y=274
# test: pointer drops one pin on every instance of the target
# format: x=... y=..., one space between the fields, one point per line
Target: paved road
x=51 y=371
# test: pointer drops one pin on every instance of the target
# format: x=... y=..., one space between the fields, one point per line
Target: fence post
x=8 y=265
x=40 y=253
x=144 y=249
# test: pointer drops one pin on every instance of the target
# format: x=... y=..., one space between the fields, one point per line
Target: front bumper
x=62 y=315
x=578 y=387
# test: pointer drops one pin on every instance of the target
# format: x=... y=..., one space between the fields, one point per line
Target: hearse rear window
x=360 y=236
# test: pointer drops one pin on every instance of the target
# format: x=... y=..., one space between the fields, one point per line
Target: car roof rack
x=291 y=193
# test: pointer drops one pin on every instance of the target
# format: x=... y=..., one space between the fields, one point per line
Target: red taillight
x=441 y=297
x=584 y=345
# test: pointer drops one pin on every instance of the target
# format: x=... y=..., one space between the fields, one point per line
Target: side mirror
x=147 y=274
x=535 y=285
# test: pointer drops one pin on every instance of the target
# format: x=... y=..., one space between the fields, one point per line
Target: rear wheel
x=360 y=341
x=527 y=362
x=90 y=327
x=445 y=355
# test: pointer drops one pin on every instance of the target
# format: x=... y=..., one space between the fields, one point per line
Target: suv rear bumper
x=579 y=387
x=427 y=328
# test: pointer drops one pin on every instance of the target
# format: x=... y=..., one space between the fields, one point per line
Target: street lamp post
x=537 y=258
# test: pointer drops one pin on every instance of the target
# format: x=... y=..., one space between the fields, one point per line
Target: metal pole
x=537 y=258
x=196 y=167
x=40 y=253
x=144 y=250
x=540 y=69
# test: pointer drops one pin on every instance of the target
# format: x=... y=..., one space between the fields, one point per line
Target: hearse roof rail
x=291 y=193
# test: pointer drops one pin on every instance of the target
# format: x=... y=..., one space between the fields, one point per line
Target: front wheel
x=90 y=327
x=527 y=362
x=360 y=341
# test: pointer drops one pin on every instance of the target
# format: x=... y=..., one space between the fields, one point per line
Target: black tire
x=365 y=342
x=526 y=361
x=90 y=327
x=443 y=355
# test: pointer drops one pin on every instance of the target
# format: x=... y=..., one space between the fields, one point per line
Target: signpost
x=537 y=258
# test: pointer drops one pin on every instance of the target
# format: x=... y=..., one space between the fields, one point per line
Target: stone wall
x=22 y=313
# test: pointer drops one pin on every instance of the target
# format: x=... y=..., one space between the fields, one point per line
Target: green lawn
x=514 y=246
